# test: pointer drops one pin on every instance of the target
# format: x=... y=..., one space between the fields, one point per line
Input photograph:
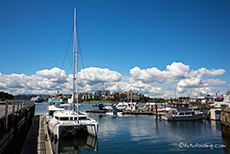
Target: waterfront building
x=86 y=96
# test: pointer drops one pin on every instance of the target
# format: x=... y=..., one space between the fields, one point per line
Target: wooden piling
x=6 y=115
x=156 y=111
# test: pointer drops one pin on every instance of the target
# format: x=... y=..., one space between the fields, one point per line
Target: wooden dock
x=16 y=120
x=96 y=111
x=38 y=140
x=126 y=112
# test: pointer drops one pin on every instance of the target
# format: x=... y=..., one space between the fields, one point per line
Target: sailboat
x=71 y=122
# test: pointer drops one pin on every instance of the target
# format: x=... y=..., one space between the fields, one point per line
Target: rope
x=79 y=45
x=71 y=34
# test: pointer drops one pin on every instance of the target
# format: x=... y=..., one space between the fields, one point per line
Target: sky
x=159 y=48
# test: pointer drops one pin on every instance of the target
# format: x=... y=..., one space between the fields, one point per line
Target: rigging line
x=71 y=34
x=78 y=40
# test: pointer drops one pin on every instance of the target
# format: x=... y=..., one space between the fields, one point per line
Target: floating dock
x=38 y=140
x=126 y=112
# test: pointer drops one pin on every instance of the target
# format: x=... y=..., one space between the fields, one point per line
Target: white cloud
x=212 y=72
x=151 y=81
x=95 y=75
x=54 y=74
x=178 y=74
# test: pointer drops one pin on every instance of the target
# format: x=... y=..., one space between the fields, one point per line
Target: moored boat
x=37 y=99
x=72 y=122
x=53 y=106
x=182 y=114
x=66 y=123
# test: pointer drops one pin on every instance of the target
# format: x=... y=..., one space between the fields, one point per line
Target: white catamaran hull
x=72 y=129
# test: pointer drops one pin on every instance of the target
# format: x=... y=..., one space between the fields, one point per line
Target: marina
x=150 y=80
x=132 y=133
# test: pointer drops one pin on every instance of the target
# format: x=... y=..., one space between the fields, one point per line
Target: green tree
x=4 y=96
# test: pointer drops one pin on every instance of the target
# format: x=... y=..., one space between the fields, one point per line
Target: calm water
x=143 y=134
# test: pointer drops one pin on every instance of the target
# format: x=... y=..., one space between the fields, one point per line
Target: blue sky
x=117 y=34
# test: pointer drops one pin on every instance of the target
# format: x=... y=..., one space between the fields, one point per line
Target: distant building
x=100 y=94
x=86 y=96
x=126 y=96
x=105 y=94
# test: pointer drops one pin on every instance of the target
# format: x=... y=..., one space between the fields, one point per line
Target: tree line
x=5 y=96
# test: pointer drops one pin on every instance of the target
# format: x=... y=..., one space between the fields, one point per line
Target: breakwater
x=16 y=119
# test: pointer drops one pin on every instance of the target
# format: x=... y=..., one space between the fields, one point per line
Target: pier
x=21 y=132
x=16 y=119
x=126 y=112
x=38 y=140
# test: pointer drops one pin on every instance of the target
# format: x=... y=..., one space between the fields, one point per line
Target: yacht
x=72 y=122
x=53 y=106
x=66 y=123
x=183 y=114
x=37 y=99
x=120 y=106
x=115 y=111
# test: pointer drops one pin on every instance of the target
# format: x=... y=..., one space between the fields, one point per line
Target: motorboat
x=161 y=107
x=114 y=113
x=120 y=106
x=182 y=114
x=53 y=106
x=37 y=99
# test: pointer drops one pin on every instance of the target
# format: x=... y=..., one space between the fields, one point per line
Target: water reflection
x=75 y=145
x=226 y=138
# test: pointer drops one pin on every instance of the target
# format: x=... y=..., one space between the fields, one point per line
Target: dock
x=16 y=119
x=96 y=111
x=126 y=112
x=21 y=132
x=38 y=140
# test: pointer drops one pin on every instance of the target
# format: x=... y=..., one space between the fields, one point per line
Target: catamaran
x=72 y=122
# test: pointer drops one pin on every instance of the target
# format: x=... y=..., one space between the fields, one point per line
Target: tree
x=4 y=96
x=145 y=99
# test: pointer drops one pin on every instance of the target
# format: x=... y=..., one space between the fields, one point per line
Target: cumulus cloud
x=95 y=75
x=178 y=74
x=152 y=82
x=54 y=74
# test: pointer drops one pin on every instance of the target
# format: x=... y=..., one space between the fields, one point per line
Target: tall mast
x=74 y=63
x=75 y=10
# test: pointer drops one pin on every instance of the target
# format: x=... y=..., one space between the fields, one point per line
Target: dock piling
x=6 y=116
x=156 y=112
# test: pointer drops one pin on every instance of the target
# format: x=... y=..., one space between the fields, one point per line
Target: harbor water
x=143 y=134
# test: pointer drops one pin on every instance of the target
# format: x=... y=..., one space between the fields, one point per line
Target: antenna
x=103 y=86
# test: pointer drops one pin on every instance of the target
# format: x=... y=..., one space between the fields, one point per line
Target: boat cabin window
x=56 y=118
x=64 y=118
x=187 y=113
x=81 y=118
x=182 y=113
